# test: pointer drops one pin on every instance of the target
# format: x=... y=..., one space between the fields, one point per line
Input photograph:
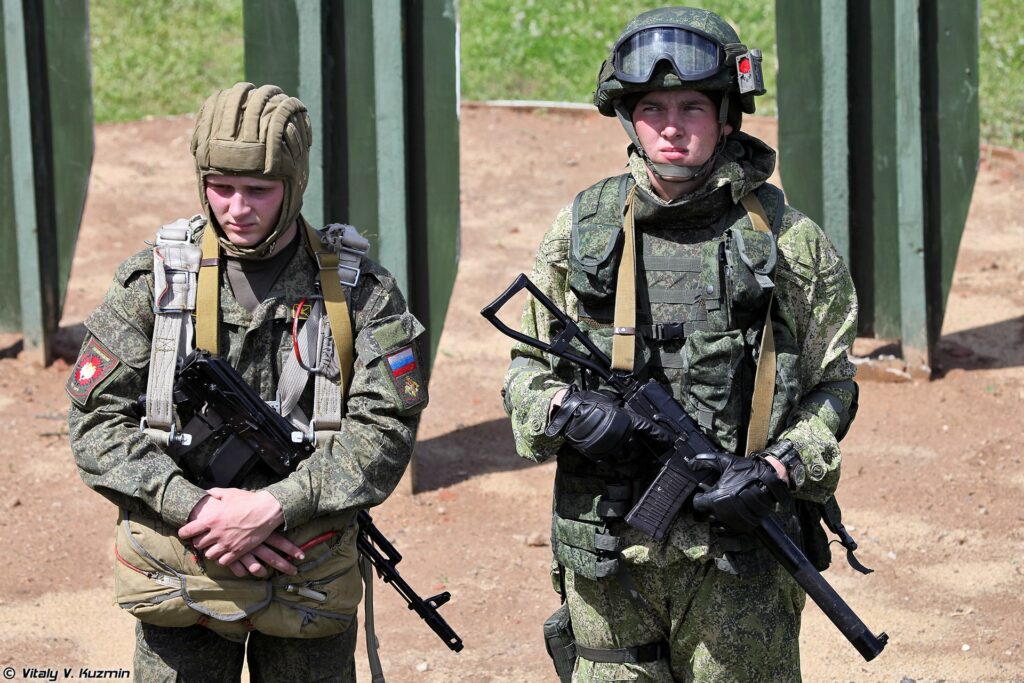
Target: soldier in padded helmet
x=265 y=567
x=691 y=270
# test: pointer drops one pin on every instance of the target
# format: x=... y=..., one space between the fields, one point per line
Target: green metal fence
x=381 y=81
x=878 y=138
x=45 y=157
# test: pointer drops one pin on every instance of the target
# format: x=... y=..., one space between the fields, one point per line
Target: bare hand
x=230 y=523
x=264 y=555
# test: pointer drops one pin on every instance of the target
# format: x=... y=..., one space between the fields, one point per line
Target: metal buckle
x=355 y=278
x=183 y=439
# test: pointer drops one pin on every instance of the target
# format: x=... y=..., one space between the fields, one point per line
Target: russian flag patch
x=405 y=376
x=402 y=362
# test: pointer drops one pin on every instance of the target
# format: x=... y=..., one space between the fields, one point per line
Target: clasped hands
x=237 y=529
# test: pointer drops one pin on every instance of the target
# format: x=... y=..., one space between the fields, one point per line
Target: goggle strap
x=734 y=50
x=723 y=110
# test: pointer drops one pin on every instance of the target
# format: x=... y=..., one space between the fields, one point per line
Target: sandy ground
x=932 y=484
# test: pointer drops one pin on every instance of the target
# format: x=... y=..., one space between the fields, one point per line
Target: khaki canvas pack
x=159 y=580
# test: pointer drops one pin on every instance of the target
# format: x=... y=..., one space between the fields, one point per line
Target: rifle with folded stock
x=253 y=433
x=677 y=482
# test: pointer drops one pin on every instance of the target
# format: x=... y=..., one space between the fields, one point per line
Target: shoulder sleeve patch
x=403 y=368
x=94 y=364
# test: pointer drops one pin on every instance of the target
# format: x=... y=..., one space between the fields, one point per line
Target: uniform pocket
x=713 y=388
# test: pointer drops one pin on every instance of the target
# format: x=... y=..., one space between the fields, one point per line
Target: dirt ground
x=932 y=485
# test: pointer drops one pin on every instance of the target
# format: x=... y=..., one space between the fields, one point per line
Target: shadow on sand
x=464 y=453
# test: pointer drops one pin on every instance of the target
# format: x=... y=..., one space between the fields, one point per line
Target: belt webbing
x=638 y=654
x=764 y=380
x=624 y=332
x=208 y=303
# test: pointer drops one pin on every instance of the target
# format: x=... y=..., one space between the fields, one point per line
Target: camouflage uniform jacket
x=358 y=466
x=815 y=301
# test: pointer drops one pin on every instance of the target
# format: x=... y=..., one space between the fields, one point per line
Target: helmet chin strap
x=670 y=172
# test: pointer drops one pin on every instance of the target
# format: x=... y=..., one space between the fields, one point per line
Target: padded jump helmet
x=252 y=131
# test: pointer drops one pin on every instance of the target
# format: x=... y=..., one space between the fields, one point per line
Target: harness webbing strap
x=764 y=380
x=624 y=324
x=294 y=377
x=175 y=266
x=372 y=644
x=208 y=303
x=337 y=308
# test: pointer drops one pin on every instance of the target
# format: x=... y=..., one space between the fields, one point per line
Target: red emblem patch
x=94 y=363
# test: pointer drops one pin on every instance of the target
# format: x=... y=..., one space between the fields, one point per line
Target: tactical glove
x=746 y=492
x=598 y=426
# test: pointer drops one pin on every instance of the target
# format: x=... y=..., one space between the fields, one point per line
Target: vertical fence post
x=910 y=86
x=381 y=81
x=813 y=129
x=45 y=56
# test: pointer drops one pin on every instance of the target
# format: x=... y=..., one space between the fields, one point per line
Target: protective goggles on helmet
x=694 y=56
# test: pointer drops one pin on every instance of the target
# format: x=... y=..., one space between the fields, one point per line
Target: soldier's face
x=246 y=208
x=677 y=127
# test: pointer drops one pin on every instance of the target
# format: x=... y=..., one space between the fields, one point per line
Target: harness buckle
x=173 y=437
x=352 y=269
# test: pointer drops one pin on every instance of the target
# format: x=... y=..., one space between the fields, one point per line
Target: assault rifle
x=677 y=482
x=253 y=433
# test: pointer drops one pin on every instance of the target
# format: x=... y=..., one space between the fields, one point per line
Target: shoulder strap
x=764 y=379
x=208 y=305
x=624 y=323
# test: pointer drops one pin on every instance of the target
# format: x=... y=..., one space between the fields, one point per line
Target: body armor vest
x=704 y=283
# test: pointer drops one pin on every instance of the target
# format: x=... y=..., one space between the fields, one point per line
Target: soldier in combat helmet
x=268 y=566
x=729 y=280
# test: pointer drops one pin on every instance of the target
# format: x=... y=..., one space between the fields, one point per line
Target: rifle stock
x=676 y=483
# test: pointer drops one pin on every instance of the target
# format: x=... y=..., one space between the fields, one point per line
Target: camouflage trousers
x=197 y=654
x=718 y=626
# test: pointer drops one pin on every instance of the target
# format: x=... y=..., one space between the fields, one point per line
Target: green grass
x=1001 y=65
x=546 y=50
x=164 y=57
x=159 y=58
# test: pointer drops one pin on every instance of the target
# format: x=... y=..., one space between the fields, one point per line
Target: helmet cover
x=674 y=35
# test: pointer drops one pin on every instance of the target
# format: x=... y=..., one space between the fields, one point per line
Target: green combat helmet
x=252 y=131
x=679 y=48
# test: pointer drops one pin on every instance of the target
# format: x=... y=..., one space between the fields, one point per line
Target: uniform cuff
x=180 y=496
x=294 y=500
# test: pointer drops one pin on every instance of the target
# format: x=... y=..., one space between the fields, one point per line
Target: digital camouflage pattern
x=356 y=467
x=817 y=309
x=714 y=622
x=168 y=655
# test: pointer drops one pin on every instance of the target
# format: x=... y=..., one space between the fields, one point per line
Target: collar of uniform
x=744 y=164
x=295 y=283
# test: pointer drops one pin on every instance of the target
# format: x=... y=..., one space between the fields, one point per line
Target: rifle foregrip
x=661 y=502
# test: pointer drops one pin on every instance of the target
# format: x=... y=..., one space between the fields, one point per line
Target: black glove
x=745 y=494
x=598 y=426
